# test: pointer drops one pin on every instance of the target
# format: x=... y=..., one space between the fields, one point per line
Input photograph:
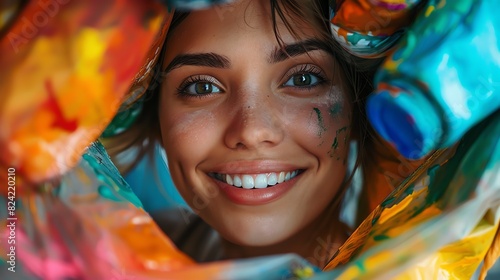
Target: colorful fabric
x=371 y=28
x=63 y=81
x=442 y=79
x=438 y=223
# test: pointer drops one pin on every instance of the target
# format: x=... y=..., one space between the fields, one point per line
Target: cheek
x=322 y=128
x=188 y=137
x=182 y=132
x=340 y=130
x=175 y=129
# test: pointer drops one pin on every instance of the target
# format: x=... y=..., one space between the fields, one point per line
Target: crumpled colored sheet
x=371 y=28
x=66 y=66
x=443 y=78
x=440 y=222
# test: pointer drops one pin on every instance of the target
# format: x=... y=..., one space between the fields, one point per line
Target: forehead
x=250 y=20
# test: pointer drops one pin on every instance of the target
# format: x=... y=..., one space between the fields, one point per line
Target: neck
x=317 y=242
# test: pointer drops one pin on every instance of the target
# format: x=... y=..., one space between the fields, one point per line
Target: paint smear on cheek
x=339 y=117
x=321 y=124
x=339 y=142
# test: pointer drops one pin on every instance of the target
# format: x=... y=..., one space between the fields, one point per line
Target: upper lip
x=254 y=167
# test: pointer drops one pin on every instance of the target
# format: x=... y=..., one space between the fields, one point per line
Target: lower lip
x=256 y=196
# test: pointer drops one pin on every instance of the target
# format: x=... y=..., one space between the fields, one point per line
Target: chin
x=257 y=234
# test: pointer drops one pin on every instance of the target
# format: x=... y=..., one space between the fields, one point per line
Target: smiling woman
x=241 y=122
x=256 y=112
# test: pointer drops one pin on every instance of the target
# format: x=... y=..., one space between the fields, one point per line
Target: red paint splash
x=51 y=104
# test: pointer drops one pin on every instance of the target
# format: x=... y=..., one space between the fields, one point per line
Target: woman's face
x=256 y=138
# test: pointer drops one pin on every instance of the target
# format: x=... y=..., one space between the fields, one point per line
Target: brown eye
x=203 y=88
x=304 y=77
x=302 y=80
x=199 y=86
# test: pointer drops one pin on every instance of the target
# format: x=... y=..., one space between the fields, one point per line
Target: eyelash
x=302 y=69
x=306 y=69
x=182 y=89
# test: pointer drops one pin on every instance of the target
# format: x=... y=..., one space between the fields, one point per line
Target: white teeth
x=237 y=181
x=272 y=180
x=281 y=177
x=247 y=182
x=260 y=181
x=229 y=180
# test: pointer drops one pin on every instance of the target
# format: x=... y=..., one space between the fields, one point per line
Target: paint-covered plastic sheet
x=66 y=67
x=63 y=80
x=438 y=223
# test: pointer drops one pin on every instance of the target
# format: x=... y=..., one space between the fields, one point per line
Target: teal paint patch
x=112 y=186
x=388 y=202
x=381 y=237
x=336 y=110
x=360 y=264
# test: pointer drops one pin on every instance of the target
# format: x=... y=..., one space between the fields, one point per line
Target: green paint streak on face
x=336 y=110
x=335 y=143
x=320 y=121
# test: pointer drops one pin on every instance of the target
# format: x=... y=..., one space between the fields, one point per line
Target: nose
x=254 y=124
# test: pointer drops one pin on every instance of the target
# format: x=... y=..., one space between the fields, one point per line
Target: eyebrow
x=199 y=59
x=299 y=48
x=219 y=61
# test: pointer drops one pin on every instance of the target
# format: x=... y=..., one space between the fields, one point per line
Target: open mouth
x=256 y=181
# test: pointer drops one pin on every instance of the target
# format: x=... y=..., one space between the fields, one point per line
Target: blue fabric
x=151 y=182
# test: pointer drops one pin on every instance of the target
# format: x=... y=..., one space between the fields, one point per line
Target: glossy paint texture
x=456 y=192
x=443 y=78
x=62 y=81
x=371 y=28
x=90 y=227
